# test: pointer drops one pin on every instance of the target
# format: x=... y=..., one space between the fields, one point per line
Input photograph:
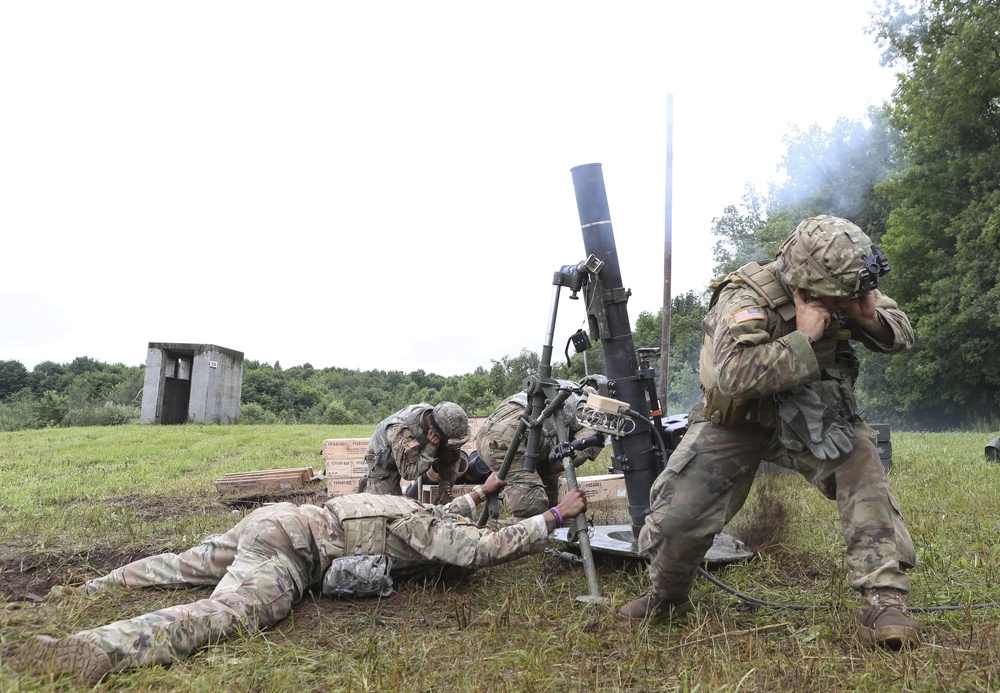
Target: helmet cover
x=450 y=421
x=828 y=256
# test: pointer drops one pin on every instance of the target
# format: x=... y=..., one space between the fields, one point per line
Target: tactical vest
x=831 y=349
x=412 y=417
x=365 y=519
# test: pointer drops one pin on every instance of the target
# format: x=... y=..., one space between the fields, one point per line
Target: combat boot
x=70 y=656
x=651 y=608
x=884 y=620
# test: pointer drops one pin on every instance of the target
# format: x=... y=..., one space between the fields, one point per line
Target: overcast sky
x=380 y=185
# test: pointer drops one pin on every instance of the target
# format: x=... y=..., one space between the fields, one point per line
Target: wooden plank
x=305 y=472
x=258 y=485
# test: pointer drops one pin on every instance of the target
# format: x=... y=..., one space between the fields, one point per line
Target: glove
x=806 y=421
x=800 y=419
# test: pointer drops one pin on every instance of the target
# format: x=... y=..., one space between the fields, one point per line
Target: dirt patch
x=317 y=496
x=29 y=577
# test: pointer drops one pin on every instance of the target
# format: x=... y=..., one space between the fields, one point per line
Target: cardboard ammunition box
x=602 y=487
x=341 y=485
x=345 y=448
x=348 y=468
x=475 y=423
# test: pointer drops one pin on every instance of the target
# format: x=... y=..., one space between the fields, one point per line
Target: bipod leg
x=492 y=504
x=583 y=539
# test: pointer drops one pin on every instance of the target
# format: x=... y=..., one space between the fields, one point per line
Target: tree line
x=86 y=392
x=921 y=175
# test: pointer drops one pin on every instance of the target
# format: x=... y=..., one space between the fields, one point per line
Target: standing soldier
x=778 y=371
x=267 y=563
x=413 y=441
x=528 y=493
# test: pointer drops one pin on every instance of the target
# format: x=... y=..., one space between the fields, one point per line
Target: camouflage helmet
x=830 y=256
x=450 y=421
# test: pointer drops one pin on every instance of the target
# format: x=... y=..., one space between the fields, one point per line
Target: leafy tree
x=49 y=375
x=336 y=414
x=686 y=314
x=265 y=386
x=507 y=375
x=18 y=412
x=737 y=231
x=253 y=414
x=52 y=408
x=13 y=378
x=943 y=234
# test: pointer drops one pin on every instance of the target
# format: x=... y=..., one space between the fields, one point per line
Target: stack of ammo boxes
x=345 y=464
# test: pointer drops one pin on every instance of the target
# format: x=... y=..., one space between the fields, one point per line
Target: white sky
x=380 y=185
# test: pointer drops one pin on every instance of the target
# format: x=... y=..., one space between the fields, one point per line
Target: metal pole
x=667 y=253
x=579 y=527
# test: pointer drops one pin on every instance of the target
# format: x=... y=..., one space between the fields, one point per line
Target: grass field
x=77 y=502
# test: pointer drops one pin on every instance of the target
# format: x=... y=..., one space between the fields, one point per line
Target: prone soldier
x=270 y=559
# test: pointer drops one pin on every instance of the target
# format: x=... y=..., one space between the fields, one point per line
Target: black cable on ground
x=799 y=607
x=794 y=607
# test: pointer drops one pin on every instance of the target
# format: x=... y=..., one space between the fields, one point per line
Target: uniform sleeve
x=411 y=459
x=749 y=361
x=893 y=318
x=456 y=542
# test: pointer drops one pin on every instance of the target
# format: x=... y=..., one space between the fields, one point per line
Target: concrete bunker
x=200 y=383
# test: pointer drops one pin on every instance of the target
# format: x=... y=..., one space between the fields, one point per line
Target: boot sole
x=893 y=637
x=73 y=656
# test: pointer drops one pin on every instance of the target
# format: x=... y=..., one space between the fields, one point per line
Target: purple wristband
x=558 y=515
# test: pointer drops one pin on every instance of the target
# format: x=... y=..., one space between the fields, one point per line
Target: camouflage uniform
x=399 y=450
x=529 y=493
x=267 y=562
x=752 y=352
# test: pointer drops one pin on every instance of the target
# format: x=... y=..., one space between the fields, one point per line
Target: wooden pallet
x=265 y=481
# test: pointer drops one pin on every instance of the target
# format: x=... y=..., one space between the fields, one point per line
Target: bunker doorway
x=176 y=388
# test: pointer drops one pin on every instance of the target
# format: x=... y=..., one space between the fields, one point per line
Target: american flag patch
x=751 y=313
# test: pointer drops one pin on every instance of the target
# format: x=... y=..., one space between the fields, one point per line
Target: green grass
x=66 y=492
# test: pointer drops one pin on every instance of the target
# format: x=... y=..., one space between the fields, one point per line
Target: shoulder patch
x=749 y=313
